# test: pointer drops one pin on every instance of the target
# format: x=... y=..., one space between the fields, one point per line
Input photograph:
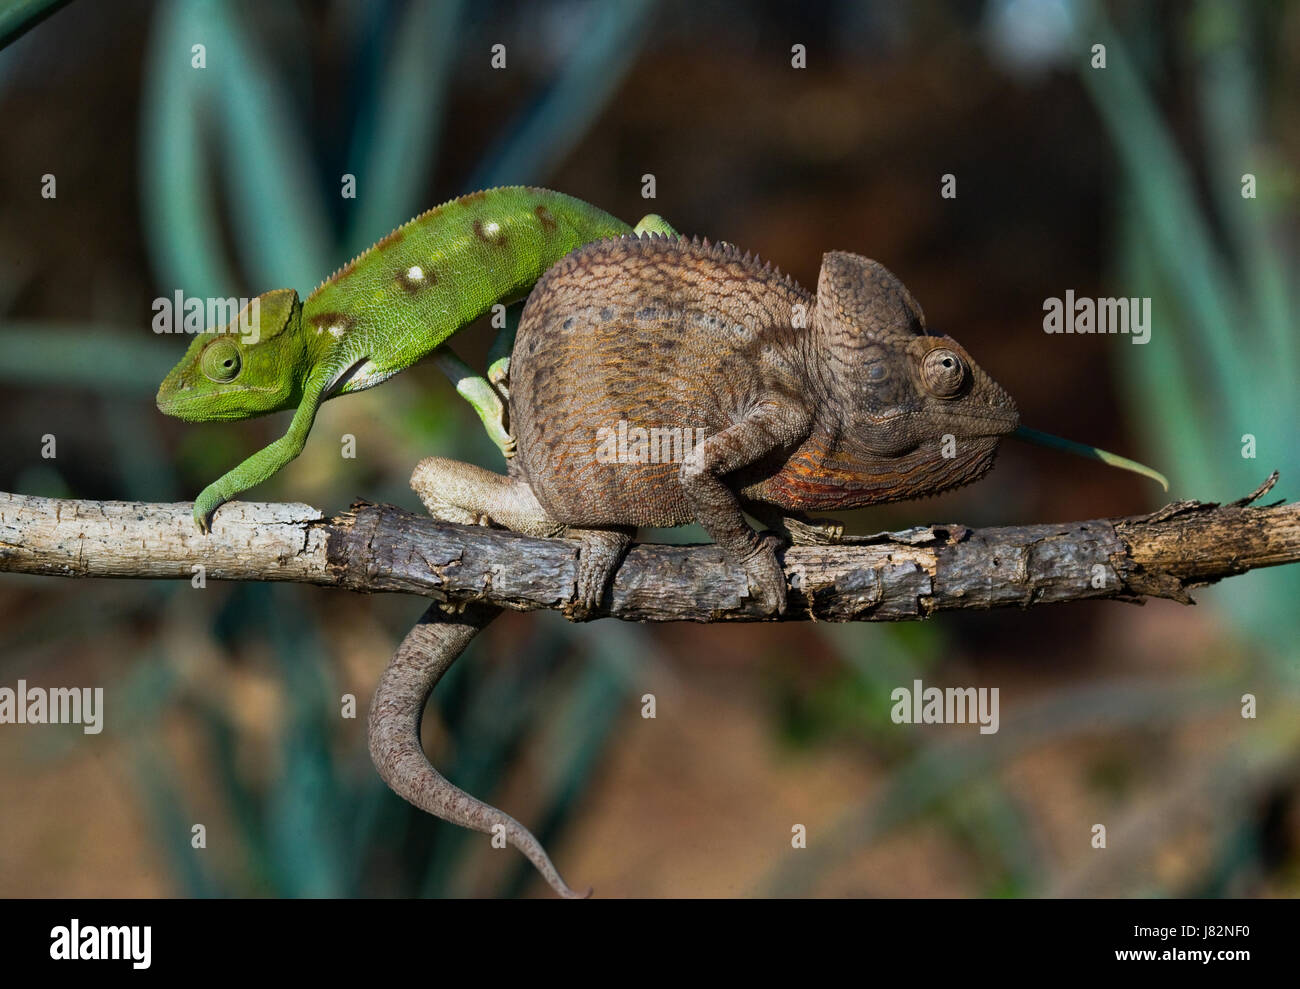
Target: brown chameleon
x=763 y=399
x=788 y=403
x=657 y=382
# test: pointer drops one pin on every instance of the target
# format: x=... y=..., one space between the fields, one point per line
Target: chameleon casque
x=777 y=403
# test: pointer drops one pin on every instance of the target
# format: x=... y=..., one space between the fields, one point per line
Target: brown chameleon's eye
x=220 y=362
x=943 y=372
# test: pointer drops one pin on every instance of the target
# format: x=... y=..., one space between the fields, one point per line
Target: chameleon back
x=399 y=299
x=630 y=353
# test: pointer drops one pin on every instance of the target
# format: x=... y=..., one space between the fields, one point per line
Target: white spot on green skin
x=337 y=331
x=415 y=273
x=491 y=228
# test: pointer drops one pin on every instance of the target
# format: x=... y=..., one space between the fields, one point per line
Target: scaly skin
x=424 y=656
x=801 y=402
x=380 y=313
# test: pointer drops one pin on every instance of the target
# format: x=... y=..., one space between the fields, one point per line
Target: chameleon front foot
x=498 y=376
x=766 y=576
x=481 y=396
x=205 y=507
x=492 y=412
x=424 y=656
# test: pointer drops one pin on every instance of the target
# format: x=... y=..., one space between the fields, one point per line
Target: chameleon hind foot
x=601 y=552
x=765 y=574
x=798 y=529
x=498 y=373
x=458 y=492
x=419 y=663
x=653 y=223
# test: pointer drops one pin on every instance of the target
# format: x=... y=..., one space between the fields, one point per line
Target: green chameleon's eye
x=221 y=361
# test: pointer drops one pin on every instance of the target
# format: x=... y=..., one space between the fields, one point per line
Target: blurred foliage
x=17 y=17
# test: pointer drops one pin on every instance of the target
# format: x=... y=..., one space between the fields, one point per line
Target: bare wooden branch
x=887 y=577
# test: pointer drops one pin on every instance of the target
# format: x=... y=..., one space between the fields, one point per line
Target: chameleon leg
x=424 y=656
x=653 y=223
x=265 y=462
x=774 y=423
x=499 y=354
x=476 y=390
x=796 y=527
x=458 y=492
x=471 y=495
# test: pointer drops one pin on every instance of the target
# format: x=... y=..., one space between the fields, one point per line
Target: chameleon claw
x=494 y=424
x=499 y=376
x=203 y=519
x=205 y=508
x=498 y=434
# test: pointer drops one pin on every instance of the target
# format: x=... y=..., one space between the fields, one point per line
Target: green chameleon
x=392 y=305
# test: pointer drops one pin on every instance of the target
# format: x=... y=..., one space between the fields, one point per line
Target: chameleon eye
x=877 y=371
x=220 y=361
x=943 y=372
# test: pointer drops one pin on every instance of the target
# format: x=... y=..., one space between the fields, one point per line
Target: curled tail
x=419 y=663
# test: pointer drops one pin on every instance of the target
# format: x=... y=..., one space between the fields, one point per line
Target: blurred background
x=223 y=704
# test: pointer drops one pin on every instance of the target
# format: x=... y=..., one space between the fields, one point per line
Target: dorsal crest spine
x=664 y=245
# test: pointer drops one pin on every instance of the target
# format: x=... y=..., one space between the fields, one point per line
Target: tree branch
x=887 y=577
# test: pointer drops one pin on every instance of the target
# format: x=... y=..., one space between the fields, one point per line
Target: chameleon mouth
x=176 y=407
x=190 y=406
x=996 y=422
x=169 y=401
